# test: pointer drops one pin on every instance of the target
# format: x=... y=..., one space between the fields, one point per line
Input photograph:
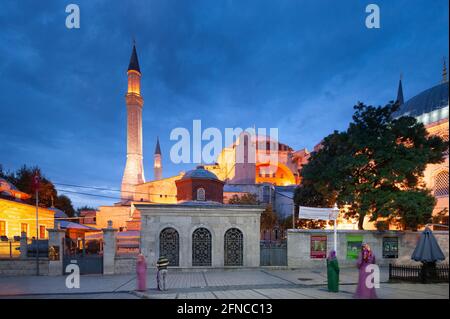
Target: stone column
x=55 y=260
x=23 y=245
x=109 y=249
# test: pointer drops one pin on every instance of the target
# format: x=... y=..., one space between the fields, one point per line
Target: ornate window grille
x=201 y=247
x=441 y=184
x=169 y=245
x=234 y=246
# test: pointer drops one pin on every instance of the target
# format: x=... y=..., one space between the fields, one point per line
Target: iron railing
x=9 y=249
x=419 y=273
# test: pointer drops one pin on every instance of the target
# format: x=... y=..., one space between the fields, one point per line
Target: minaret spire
x=444 y=73
x=400 y=98
x=134 y=62
x=158 y=147
x=157 y=165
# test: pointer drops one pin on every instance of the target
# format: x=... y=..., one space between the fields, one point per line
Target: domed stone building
x=200 y=231
x=199 y=185
x=431 y=107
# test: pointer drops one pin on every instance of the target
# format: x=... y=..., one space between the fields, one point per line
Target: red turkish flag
x=36 y=182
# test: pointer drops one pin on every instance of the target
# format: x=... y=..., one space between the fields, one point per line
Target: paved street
x=215 y=284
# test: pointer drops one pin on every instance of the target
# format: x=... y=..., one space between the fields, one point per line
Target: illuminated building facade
x=17 y=217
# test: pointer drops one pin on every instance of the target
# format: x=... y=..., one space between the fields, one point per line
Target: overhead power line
x=113 y=190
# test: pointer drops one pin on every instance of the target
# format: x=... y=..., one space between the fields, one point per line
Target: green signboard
x=354 y=243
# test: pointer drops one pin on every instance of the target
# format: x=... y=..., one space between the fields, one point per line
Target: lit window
x=41 y=231
x=441 y=184
x=23 y=228
x=2 y=228
x=201 y=194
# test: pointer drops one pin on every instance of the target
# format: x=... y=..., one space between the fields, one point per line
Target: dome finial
x=444 y=72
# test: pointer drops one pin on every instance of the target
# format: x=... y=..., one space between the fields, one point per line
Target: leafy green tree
x=307 y=195
x=375 y=167
x=48 y=196
x=65 y=204
x=268 y=218
x=24 y=182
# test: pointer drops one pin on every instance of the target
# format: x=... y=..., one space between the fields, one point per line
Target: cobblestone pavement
x=260 y=283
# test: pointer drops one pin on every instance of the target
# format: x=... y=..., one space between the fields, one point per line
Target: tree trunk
x=361 y=223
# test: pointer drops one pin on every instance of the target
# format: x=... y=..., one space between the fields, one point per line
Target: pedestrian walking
x=333 y=272
x=161 y=274
x=141 y=273
x=365 y=290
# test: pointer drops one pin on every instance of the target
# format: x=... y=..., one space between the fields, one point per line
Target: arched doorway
x=169 y=245
x=234 y=247
x=201 y=247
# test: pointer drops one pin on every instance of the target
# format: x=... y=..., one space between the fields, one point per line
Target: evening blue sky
x=299 y=66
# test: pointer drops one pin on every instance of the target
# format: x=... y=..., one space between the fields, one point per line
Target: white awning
x=317 y=213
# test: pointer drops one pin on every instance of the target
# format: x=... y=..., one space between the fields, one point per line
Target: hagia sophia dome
x=428 y=106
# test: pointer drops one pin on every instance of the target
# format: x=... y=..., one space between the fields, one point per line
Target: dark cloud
x=296 y=65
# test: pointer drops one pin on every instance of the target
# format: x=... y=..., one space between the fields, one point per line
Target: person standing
x=365 y=258
x=161 y=274
x=141 y=272
x=333 y=272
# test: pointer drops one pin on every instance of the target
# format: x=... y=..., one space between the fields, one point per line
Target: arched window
x=201 y=247
x=201 y=196
x=169 y=245
x=234 y=247
x=441 y=184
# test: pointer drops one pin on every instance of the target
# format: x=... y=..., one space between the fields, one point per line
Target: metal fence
x=273 y=253
x=419 y=273
x=9 y=249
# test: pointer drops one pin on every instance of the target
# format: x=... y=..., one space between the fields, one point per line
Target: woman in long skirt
x=141 y=272
x=333 y=272
x=365 y=290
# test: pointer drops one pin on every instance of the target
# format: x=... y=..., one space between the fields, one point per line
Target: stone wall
x=185 y=219
x=299 y=246
x=124 y=265
x=23 y=267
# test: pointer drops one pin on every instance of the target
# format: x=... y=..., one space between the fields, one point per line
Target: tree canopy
x=374 y=168
x=48 y=196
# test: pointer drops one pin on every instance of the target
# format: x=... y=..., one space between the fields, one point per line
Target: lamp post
x=36 y=187
x=293 y=215
x=335 y=213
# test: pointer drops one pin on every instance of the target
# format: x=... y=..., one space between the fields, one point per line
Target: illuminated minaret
x=134 y=169
x=157 y=165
